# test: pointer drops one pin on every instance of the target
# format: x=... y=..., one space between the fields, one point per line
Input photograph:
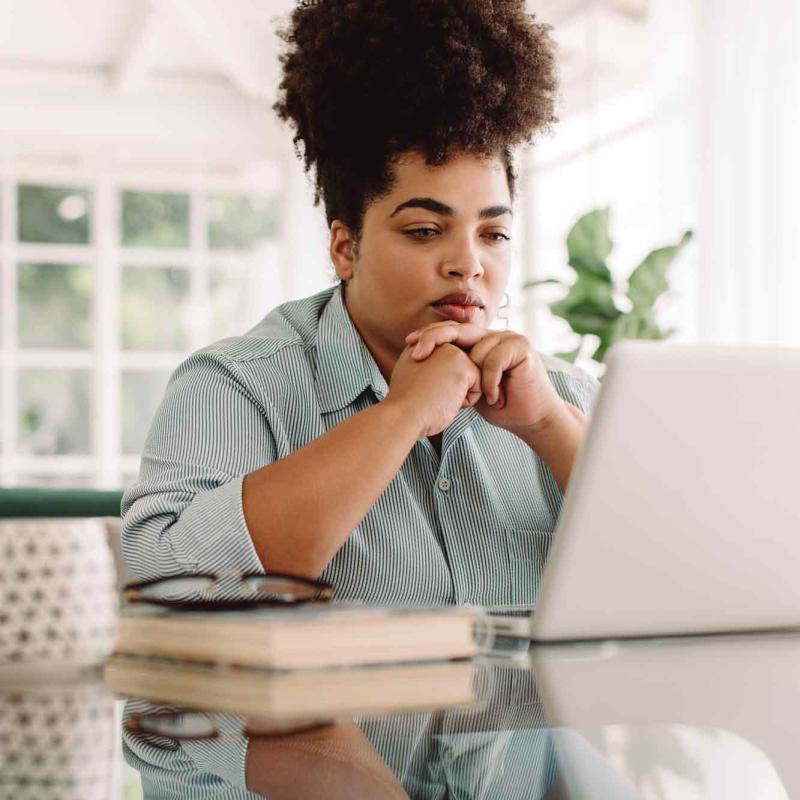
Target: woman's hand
x=517 y=394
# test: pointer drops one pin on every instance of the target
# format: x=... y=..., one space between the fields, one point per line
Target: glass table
x=695 y=717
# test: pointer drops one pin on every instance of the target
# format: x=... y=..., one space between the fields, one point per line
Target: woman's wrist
x=401 y=417
x=557 y=440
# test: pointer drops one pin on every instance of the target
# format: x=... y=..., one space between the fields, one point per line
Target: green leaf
x=648 y=281
x=588 y=307
x=542 y=282
x=571 y=355
x=588 y=245
x=637 y=325
x=599 y=354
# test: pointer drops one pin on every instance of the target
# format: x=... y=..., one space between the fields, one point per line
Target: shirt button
x=444 y=484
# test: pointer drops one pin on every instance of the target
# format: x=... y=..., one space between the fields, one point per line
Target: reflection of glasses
x=276 y=589
x=197 y=726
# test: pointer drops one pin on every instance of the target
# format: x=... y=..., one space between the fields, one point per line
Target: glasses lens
x=285 y=590
x=179 y=586
x=177 y=726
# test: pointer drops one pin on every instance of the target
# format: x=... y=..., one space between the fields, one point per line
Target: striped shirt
x=473 y=524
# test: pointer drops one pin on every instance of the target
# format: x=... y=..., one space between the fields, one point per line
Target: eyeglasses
x=188 y=725
x=248 y=590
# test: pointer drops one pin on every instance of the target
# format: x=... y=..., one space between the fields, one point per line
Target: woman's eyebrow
x=444 y=210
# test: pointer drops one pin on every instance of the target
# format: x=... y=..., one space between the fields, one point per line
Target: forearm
x=557 y=444
x=335 y=762
x=301 y=509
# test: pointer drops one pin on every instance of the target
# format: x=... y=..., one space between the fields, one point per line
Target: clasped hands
x=511 y=389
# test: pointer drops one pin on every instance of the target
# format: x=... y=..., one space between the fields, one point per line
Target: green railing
x=35 y=502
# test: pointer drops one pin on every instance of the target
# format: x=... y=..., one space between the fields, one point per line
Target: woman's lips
x=456 y=312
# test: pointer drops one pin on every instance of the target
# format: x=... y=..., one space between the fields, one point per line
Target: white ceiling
x=234 y=40
x=112 y=55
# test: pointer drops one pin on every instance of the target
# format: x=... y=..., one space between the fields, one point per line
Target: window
x=105 y=286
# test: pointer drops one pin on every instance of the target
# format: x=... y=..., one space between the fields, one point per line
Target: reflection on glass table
x=678 y=718
x=58 y=741
x=497 y=747
x=712 y=718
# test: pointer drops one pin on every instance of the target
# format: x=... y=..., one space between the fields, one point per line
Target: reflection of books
x=302 y=637
x=276 y=694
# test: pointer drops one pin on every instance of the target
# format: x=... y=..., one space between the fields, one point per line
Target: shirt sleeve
x=579 y=388
x=185 y=512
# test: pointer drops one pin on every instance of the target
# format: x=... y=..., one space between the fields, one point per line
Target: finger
x=414 y=335
x=448 y=323
x=491 y=375
x=471 y=399
x=479 y=352
x=500 y=358
x=430 y=340
x=474 y=392
x=462 y=335
x=518 y=344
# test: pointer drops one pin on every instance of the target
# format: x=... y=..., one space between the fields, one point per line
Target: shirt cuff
x=211 y=533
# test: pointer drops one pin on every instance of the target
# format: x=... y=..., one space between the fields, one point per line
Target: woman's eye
x=418 y=233
x=501 y=237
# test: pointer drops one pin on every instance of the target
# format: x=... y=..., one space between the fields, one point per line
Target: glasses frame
x=323 y=591
x=134 y=725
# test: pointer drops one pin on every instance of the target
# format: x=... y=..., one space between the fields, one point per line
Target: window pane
x=141 y=394
x=53 y=214
x=226 y=289
x=55 y=305
x=239 y=223
x=54 y=411
x=155 y=219
x=155 y=308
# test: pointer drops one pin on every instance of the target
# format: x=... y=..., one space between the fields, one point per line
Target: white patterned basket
x=57 y=743
x=59 y=605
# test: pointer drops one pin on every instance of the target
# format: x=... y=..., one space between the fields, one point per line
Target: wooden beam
x=138 y=52
x=228 y=41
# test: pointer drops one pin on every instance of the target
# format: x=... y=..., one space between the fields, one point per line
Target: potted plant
x=591 y=305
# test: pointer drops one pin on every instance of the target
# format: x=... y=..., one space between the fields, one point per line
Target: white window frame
x=106 y=465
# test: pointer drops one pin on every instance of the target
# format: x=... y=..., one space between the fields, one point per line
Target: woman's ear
x=344 y=250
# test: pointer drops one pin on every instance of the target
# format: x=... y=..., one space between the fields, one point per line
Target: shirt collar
x=345 y=366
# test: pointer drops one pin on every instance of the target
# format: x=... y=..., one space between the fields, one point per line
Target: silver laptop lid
x=683 y=510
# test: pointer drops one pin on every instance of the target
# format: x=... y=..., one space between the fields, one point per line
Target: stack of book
x=301 y=662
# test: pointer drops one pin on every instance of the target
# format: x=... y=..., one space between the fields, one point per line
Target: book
x=293 y=694
x=299 y=637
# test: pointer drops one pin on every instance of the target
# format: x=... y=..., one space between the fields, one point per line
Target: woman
x=378 y=434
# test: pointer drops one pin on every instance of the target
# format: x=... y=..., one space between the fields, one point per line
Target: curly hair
x=365 y=80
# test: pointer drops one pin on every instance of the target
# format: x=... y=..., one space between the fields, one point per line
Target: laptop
x=682 y=515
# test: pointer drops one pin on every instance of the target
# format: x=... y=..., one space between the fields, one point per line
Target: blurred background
x=150 y=202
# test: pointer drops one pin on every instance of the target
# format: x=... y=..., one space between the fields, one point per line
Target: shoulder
x=575 y=384
x=280 y=344
x=571 y=371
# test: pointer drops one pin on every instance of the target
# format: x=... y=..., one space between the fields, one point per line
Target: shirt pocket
x=527 y=551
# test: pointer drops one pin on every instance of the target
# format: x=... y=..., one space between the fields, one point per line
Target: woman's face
x=442 y=230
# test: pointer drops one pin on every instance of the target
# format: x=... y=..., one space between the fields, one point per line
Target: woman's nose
x=465 y=264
